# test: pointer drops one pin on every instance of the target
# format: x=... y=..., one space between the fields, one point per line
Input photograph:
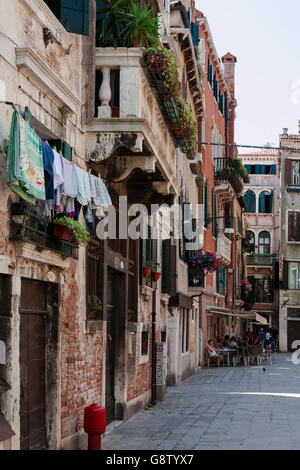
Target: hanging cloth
x=48 y=159
x=99 y=193
x=25 y=170
x=83 y=186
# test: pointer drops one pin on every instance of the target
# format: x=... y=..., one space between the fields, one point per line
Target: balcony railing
x=261 y=260
x=224 y=171
x=26 y=226
x=224 y=249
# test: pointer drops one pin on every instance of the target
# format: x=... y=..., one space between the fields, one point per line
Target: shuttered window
x=168 y=281
x=73 y=14
x=293 y=226
x=293 y=275
x=288 y=171
x=206 y=204
x=195 y=33
x=63 y=147
x=266 y=202
x=250 y=199
x=214 y=214
x=222 y=281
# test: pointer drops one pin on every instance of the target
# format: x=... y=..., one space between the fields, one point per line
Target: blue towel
x=48 y=158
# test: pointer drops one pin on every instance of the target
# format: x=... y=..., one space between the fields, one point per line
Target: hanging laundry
x=83 y=186
x=69 y=189
x=48 y=159
x=99 y=193
x=25 y=170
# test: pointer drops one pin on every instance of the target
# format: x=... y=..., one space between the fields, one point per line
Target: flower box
x=62 y=232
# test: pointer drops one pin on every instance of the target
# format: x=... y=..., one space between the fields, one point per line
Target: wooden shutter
x=73 y=14
x=206 y=204
x=262 y=202
x=195 y=33
x=285 y=280
x=273 y=170
x=169 y=272
x=288 y=171
x=214 y=214
x=67 y=151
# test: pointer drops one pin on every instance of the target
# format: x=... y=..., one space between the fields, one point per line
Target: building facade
x=289 y=315
x=262 y=196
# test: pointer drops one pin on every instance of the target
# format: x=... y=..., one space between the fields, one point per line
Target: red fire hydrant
x=94 y=425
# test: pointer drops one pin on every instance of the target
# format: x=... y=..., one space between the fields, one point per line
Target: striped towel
x=25 y=168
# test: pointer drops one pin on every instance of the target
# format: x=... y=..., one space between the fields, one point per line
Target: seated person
x=225 y=342
x=272 y=345
x=219 y=344
x=212 y=352
x=232 y=343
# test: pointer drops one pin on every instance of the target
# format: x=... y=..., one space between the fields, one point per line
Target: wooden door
x=33 y=365
x=110 y=349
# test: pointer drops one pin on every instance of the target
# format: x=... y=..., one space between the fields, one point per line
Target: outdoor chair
x=254 y=354
x=212 y=359
x=240 y=356
x=266 y=355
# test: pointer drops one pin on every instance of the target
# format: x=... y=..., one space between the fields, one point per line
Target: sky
x=264 y=35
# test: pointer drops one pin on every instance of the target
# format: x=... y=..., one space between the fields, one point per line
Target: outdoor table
x=227 y=353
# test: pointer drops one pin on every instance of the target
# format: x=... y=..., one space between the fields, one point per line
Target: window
x=264 y=243
x=265 y=202
x=293 y=226
x=144 y=343
x=185 y=330
x=250 y=199
x=261 y=169
x=295 y=168
x=293 y=313
x=73 y=14
x=222 y=281
x=263 y=291
x=251 y=240
x=293 y=275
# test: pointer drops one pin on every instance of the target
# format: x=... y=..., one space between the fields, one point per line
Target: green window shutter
x=57 y=143
x=206 y=204
x=220 y=280
x=258 y=169
x=273 y=171
x=262 y=202
x=214 y=214
x=67 y=151
x=73 y=14
x=63 y=147
x=143 y=259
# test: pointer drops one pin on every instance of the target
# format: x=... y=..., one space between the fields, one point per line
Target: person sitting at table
x=212 y=352
x=232 y=343
x=219 y=344
x=226 y=340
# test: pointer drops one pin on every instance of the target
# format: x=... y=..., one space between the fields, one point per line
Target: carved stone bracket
x=107 y=143
x=146 y=164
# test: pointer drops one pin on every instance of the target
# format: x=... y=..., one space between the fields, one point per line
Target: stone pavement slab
x=221 y=408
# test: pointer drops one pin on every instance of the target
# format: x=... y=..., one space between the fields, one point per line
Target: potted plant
x=148 y=268
x=111 y=24
x=200 y=264
x=94 y=304
x=74 y=228
x=161 y=61
x=141 y=26
x=156 y=276
x=187 y=122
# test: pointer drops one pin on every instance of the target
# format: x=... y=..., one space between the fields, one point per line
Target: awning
x=252 y=315
x=220 y=310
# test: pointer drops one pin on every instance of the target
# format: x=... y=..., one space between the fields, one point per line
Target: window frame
x=290 y=242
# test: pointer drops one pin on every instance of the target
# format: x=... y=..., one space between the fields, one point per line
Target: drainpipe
x=153 y=381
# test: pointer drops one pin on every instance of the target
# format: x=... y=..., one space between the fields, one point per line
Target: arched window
x=264 y=243
x=250 y=201
x=250 y=236
x=265 y=202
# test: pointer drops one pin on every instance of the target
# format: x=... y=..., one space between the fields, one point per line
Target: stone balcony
x=136 y=136
x=224 y=249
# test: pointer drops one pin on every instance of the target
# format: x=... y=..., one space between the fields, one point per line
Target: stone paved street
x=221 y=408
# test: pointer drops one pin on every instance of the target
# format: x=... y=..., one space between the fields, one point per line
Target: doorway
x=33 y=316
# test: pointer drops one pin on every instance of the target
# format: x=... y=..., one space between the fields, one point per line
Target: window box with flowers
x=201 y=264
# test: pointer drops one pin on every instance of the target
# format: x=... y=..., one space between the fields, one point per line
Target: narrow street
x=221 y=408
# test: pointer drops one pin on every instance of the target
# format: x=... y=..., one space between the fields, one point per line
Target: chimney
x=285 y=131
x=229 y=62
